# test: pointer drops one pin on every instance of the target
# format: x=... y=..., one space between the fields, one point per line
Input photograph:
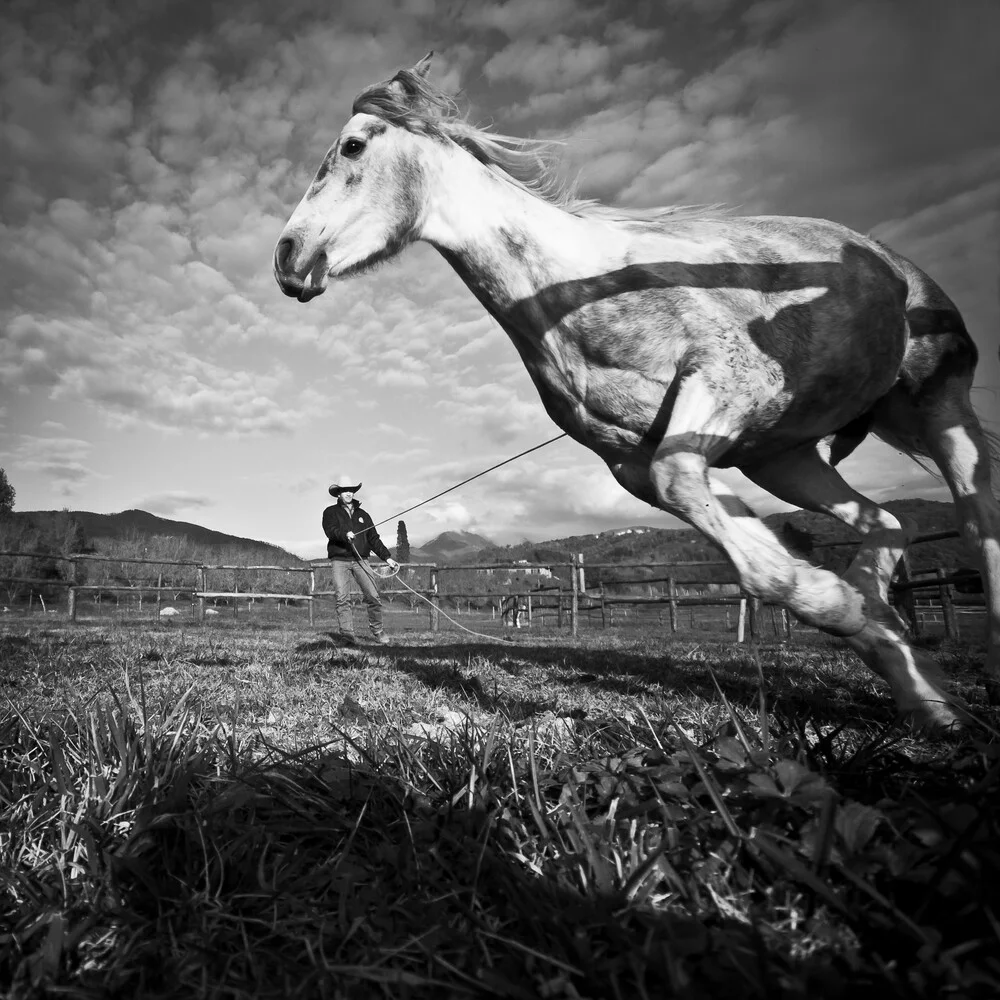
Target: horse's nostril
x=284 y=252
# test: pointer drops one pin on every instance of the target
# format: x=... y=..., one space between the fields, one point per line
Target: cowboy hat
x=344 y=484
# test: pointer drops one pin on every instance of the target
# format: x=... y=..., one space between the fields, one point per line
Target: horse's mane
x=410 y=101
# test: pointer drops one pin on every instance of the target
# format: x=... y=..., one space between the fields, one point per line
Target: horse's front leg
x=679 y=483
x=677 y=480
x=701 y=426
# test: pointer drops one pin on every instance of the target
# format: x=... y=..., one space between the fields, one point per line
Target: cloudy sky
x=150 y=153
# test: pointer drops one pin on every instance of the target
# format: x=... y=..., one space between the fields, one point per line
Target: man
x=351 y=537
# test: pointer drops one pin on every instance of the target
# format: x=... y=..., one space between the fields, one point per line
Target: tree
x=402 y=543
x=8 y=494
x=16 y=535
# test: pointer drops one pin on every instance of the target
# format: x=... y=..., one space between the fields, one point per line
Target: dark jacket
x=337 y=523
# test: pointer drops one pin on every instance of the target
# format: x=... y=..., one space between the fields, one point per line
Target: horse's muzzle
x=303 y=282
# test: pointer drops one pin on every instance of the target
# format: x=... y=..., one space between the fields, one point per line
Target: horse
x=678 y=340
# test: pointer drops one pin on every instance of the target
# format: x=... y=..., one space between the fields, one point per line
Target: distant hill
x=645 y=544
x=638 y=543
x=450 y=547
x=129 y=522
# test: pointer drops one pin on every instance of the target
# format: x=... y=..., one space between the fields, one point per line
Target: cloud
x=397 y=378
x=408 y=455
x=556 y=63
x=562 y=77
x=145 y=379
x=527 y=17
x=396 y=368
x=451 y=515
x=395 y=430
x=59 y=460
x=172 y=502
x=497 y=411
x=60 y=135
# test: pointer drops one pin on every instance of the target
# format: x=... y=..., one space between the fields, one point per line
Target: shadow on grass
x=307 y=876
x=477 y=867
x=800 y=679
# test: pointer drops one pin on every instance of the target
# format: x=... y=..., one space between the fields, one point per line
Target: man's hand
x=392 y=564
x=350 y=536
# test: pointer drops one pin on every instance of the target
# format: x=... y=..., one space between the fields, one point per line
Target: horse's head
x=366 y=200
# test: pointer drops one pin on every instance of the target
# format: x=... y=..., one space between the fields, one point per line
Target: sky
x=151 y=152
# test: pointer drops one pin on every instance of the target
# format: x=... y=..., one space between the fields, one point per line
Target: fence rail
x=568 y=601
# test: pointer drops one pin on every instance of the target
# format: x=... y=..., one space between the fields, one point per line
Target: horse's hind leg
x=679 y=483
x=677 y=480
x=806 y=479
x=937 y=419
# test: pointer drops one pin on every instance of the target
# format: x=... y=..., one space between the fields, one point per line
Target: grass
x=257 y=812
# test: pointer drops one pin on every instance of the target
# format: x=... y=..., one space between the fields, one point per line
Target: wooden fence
x=568 y=603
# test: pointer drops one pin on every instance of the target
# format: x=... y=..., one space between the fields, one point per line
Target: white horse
x=671 y=341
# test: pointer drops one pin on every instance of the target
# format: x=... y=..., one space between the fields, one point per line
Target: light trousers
x=343 y=570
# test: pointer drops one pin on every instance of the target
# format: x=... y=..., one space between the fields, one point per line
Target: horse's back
x=937 y=341
x=874 y=284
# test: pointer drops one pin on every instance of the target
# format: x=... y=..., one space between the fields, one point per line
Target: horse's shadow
x=698 y=671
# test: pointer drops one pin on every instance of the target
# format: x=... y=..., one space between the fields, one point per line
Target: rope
x=506 y=461
x=373 y=576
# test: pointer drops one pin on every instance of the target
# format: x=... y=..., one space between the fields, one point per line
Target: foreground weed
x=158 y=841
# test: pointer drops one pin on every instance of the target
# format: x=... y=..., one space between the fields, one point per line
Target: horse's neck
x=506 y=244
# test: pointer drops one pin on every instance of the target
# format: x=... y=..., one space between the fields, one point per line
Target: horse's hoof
x=940 y=719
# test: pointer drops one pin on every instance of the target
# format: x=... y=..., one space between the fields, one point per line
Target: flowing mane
x=410 y=101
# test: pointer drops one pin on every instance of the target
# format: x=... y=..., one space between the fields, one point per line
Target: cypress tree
x=402 y=543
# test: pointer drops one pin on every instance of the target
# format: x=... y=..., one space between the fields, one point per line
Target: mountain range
x=637 y=543
x=805 y=532
x=129 y=523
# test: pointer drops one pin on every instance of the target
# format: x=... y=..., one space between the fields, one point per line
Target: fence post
x=672 y=593
x=741 y=624
x=583 y=579
x=312 y=597
x=604 y=621
x=528 y=598
x=202 y=583
x=905 y=598
x=435 y=601
x=159 y=594
x=754 y=613
x=947 y=608
x=71 y=594
x=559 y=608
x=574 y=608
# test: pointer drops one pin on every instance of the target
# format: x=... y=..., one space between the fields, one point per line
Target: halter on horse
x=671 y=341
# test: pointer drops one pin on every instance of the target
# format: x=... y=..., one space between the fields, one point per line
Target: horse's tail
x=993 y=444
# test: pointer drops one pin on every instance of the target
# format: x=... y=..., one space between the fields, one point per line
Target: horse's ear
x=424 y=65
x=401 y=86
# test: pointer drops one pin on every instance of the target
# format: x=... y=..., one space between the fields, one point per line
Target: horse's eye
x=352 y=147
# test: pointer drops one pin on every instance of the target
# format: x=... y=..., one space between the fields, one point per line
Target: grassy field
x=252 y=810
